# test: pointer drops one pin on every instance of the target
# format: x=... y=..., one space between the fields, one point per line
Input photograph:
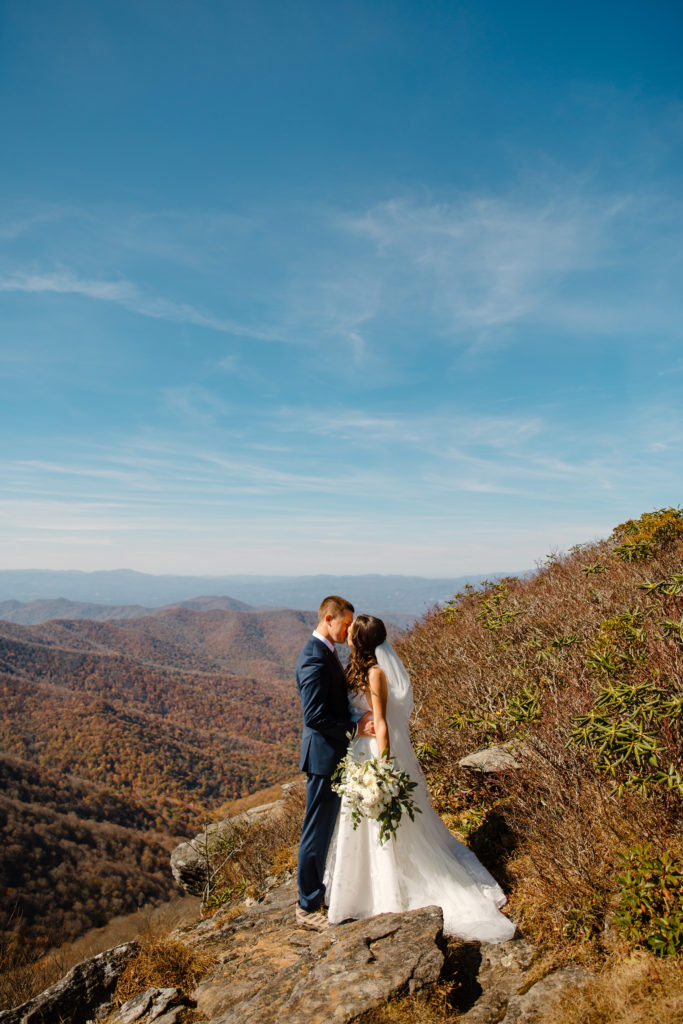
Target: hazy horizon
x=400 y=595
x=242 y=575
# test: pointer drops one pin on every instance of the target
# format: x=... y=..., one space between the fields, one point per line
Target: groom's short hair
x=335 y=606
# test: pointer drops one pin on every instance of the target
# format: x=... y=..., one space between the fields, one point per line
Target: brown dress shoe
x=315 y=920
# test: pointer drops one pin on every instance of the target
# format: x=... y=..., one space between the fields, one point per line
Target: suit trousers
x=322 y=807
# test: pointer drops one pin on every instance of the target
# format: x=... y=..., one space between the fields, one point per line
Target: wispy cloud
x=484 y=263
x=126 y=293
x=476 y=269
x=195 y=403
x=426 y=431
x=64 y=282
x=569 y=260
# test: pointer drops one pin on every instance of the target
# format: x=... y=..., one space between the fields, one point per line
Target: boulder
x=188 y=867
x=505 y=993
x=189 y=860
x=533 y=1004
x=491 y=759
x=158 y=1005
x=500 y=975
x=174 y=1016
x=77 y=996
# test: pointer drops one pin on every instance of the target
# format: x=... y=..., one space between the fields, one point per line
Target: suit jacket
x=322 y=688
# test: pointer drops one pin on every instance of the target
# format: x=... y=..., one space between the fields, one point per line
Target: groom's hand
x=366 y=726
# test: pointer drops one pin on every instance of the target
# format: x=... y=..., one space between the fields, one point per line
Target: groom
x=322 y=687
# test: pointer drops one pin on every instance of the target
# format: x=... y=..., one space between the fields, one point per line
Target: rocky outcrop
x=78 y=995
x=500 y=974
x=270 y=970
x=191 y=861
x=189 y=865
x=153 y=1006
x=506 y=995
x=527 y=1007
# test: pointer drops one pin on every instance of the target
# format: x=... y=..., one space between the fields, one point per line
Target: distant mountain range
x=32 y=613
x=406 y=596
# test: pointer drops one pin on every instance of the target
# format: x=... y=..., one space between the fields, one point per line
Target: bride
x=423 y=865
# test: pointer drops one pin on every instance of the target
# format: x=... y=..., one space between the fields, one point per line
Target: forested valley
x=119 y=738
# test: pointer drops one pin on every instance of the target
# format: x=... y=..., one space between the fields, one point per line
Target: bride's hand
x=366 y=726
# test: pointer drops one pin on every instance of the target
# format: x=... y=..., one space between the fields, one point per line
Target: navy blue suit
x=322 y=688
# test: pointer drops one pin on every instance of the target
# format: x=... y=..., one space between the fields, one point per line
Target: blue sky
x=316 y=287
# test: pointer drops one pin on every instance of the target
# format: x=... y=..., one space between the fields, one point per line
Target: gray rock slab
x=528 y=1007
x=173 y=1016
x=149 y=1006
x=102 y=1012
x=163 y=1000
x=188 y=867
x=501 y=975
x=270 y=971
x=76 y=997
x=135 y=1008
x=492 y=759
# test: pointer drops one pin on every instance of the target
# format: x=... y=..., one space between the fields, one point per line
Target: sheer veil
x=399 y=687
x=432 y=872
x=399 y=710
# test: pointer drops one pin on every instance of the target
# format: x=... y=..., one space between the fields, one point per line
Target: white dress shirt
x=328 y=644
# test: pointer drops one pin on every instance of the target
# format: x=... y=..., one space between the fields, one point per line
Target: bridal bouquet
x=375 y=788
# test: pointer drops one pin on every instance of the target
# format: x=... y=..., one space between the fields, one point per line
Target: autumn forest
x=118 y=738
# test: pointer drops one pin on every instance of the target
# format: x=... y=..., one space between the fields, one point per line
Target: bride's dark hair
x=368 y=634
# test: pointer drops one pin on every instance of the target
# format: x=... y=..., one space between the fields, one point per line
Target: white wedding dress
x=424 y=864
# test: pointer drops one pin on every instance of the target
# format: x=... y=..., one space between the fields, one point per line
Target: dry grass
x=428 y=1007
x=250 y=852
x=638 y=990
x=162 y=962
x=515 y=664
x=21 y=978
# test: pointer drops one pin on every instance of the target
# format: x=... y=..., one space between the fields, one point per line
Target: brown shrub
x=163 y=961
x=241 y=856
x=429 y=1007
x=580 y=669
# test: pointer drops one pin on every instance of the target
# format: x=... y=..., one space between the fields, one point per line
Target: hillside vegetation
x=183 y=710
x=580 y=670
x=73 y=855
x=116 y=737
